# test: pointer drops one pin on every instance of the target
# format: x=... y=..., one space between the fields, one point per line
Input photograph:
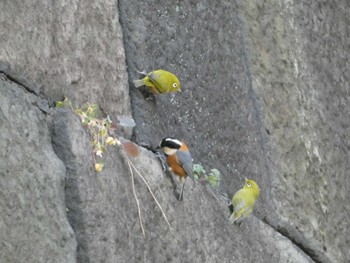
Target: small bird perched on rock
x=244 y=200
x=159 y=82
x=178 y=159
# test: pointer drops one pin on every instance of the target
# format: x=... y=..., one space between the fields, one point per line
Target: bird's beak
x=245 y=178
x=180 y=91
x=158 y=147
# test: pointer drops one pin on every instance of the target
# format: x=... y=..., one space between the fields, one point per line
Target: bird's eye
x=249 y=184
x=174 y=85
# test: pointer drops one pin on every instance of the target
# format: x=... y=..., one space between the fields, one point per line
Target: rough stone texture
x=266 y=96
x=103 y=212
x=299 y=55
x=33 y=221
x=215 y=113
x=66 y=48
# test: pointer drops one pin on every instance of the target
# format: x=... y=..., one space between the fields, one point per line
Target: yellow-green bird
x=159 y=81
x=244 y=200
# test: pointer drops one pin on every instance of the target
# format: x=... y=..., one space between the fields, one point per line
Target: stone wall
x=265 y=96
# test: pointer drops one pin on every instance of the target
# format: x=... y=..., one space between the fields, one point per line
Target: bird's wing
x=247 y=211
x=243 y=203
x=155 y=78
x=185 y=160
x=238 y=205
x=238 y=208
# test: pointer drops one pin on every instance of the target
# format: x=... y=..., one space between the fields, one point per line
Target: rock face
x=111 y=232
x=300 y=79
x=265 y=96
x=71 y=49
x=33 y=221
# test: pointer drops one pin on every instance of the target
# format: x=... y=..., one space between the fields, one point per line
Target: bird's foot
x=144 y=72
x=162 y=160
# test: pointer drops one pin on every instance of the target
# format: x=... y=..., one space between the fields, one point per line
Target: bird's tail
x=193 y=179
x=181 y=191
x=232 y=218
x=138 y=83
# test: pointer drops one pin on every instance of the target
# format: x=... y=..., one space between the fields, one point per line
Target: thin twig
x=211 y=191
x=137 y=201
x=149 y=188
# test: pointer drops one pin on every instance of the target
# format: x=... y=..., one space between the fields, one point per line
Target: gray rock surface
x=265 y=96
x=103 y=211
x=71 y=49
x=299 y=55
x=33 y=222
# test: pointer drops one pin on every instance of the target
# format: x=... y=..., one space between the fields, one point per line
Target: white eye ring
x=174 y=85
x=249 y=184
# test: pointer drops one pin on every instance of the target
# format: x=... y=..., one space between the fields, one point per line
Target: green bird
x=244 y=200
x=159 y=81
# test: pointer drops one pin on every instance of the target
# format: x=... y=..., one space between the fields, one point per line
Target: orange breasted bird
x=179 y=159
x=159 y=81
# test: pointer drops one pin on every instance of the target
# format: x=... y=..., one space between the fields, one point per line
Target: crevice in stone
x=41 y=103
x=287 y=231
x=61 y=146
x=63 y=150
x=123 y=25
x=257 y=107
x=14 y=80
x=299 y=241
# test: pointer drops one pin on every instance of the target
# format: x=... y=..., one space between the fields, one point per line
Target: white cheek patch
x=169 y=151
x=173 y=140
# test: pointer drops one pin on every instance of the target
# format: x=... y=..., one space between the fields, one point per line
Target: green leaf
x=78 y=111
x=106 y=123
x=198 y=170
x=213 y=180
x=86 y=121
x=59 y=104
x=91 y=110
x=103 y=132
x=215 y=172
